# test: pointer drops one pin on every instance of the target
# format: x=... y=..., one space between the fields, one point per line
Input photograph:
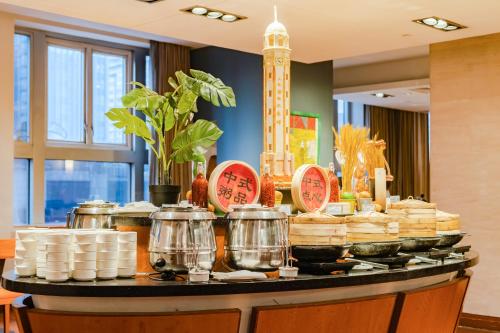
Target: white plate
x=127 y=236
x=127 y=255
x=25 y=254
x=107 y=236
x=57 y=256
x=57 y=266
x=107 y=246
x=25 y=262
x=85 y=247
x=110 y=255
x=64 y=247
x=127 y=262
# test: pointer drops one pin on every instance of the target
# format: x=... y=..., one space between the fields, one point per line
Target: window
x=350 y=113
x=69 y=182
x=65 y=94
x=22 y=54
x=21 y=191
x=70 y=152
x=149 y=84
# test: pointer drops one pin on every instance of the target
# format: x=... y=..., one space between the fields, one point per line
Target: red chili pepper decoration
x=199 y=188
x=267 y=188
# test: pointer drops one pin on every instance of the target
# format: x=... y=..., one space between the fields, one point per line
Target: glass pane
x=68 y=183
x=149 y=84
x=109 y=85
x=21 y=191
x=149 y=73
x=65 y=94
x=21 y=87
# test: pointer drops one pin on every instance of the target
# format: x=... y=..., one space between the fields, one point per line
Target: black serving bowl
x=450 y=240
x=319 y=253
x=324 y=268
x=418 y=244
x=375 y=249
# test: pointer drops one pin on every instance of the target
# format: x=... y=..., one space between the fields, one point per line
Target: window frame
x=39 y=148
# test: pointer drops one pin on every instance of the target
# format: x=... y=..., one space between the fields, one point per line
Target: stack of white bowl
x=127 y=253
x=107 y=255
x=41 y=252
x=25 y=256
x=58 y=256
x=84 y=255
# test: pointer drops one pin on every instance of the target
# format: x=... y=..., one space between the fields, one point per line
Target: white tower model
x=276 y=103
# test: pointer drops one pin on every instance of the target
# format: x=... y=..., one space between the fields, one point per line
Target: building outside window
x=67 y=151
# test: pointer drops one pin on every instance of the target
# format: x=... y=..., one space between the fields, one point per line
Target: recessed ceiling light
x=213 y=14
x=381 y=95
x=199 y=10
x=229 y=18
x=149 y=1
x=440 y=23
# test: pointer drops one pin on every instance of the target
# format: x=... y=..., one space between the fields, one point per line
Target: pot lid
x=185 y=213
x=96 y=207
x=255 y=212
x=412 y=203
x=136 y=209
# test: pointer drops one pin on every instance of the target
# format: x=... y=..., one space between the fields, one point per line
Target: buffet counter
x=146 y=295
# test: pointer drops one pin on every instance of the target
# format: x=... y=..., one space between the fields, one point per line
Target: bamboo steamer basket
x=217 y=180
x=317 y=229
x=418 y=227
x=418 y=218
x=372 y=227
x=411 y=203
x=307 y=180
x=447 y=223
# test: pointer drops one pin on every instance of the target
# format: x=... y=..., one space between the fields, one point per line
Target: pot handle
x=69 y=214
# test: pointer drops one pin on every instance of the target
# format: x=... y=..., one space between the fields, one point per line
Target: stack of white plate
x=107 y=254
x=127 y=253
x=25 y=253
x=84 y=255
x=58 y=256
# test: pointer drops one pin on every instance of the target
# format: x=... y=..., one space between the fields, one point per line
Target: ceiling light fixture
x=149 y=1
x=440 y=23
x=213 y=14
x=381 y=95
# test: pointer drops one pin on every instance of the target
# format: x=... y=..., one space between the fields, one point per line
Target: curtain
x=407 y=137
x=166 y=59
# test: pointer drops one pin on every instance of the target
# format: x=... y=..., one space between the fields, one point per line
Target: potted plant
x=173 y=111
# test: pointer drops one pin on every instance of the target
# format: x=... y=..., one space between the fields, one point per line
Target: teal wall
x=311 y=92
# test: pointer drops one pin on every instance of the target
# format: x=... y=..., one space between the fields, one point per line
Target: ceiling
x=411 y=95
x=319 y=29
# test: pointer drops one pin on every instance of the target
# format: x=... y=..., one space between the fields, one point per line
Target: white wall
x=7 y=24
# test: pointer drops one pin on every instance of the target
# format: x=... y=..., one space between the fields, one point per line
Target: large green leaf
x=186 y=101
x=191 y=143
x=208 y=87
x=122 y=118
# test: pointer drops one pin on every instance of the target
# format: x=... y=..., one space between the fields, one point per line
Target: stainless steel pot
x=91 y=215
x=180 y=237
x=255 y=238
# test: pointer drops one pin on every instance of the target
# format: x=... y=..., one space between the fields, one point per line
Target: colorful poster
x=304 y=138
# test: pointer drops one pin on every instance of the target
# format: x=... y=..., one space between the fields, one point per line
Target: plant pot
x=164 y=194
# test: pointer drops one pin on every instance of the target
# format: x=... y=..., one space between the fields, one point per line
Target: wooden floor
x=13 y=328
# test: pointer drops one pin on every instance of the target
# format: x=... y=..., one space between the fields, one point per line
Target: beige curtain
x=407 y=137
x=166 y=59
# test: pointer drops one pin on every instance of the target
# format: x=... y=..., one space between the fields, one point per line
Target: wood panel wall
x=465 y=153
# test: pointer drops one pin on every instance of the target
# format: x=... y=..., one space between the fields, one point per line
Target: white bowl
x=57 y=256
x=106 y=264
x=127 y=236
x=24 y=254
x=25 y=262
x=25 y=270
x=84 y=274
x=127 y=246
x=40 y=273
x=83 y=256
x=126 y=272
x=107 y=274
x=85 y=247
x=107 y=246
x=55 y=276
x=131 y=254
x=88 y=264
x=61 y=266
x=125 y=263
x=25 y=234
x=64 y=247
x=107 y=236
x=109 y=255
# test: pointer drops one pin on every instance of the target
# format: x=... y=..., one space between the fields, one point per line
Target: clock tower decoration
x=276 y=104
